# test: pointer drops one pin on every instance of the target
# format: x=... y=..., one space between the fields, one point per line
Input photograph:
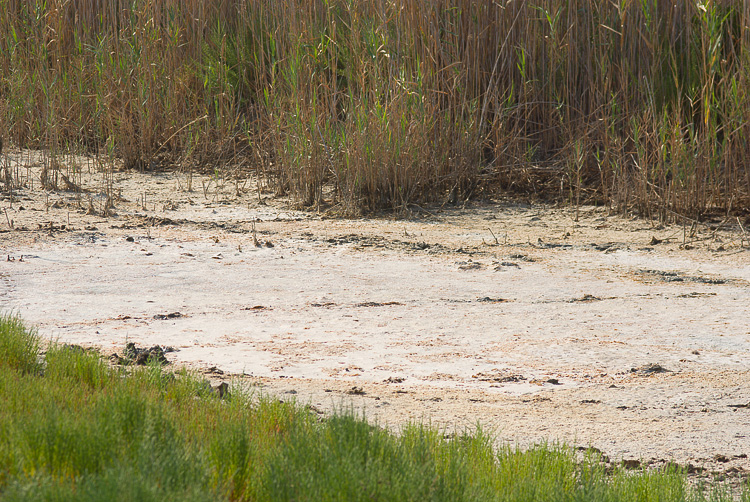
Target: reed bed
x=373 y=104
x=74 y=428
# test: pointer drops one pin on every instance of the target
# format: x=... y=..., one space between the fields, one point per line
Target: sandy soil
x=609 y=331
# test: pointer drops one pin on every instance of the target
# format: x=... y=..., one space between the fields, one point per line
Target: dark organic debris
x=172 y=315
x=549 y=245
x=696 y=294
x=376 y=304
x=324 y=304
x=650 y=369
x=256 y=308
x=609 y=246
x=664 y=275
x=487 y=299
x=498 y=376
x=535 y=399
x=221 y=390
x=469 y=265
x=522 y=257
x=709 y=280
x=394 y=379
x=141 y=356
x=553 y=381
x=671 y=276
x=746 y=405
x=631 y=463
x=383 y=243
x=655 y=241
x=587 y=298
x=590 y=401
x=356 y=391
x=505 y=264
x=692 y=469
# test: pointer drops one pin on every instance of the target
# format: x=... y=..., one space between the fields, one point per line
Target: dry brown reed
x=376 y=104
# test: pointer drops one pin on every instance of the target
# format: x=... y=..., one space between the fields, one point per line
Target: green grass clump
x=81 y=430
x=19 y=346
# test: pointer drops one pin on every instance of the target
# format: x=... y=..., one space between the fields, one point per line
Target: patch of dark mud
x=522 y=257
x=498 y=376
x=650 y=369
x=171 y=315
x=393 y=379
x=610 y=247
x=149 y=221
x=550 y=245
x=469 y=265
x=378 y=242
x=377 y=304
x=673 y=276
x=323 y=304
x=587 y=299
x=504 y=265
x=696 y=294
x=139 y=221
x=487 y=299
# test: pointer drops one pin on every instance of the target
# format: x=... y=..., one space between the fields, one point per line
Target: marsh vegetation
x=375 y=104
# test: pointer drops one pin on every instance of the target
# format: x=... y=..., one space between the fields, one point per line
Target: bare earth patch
x=610 y=332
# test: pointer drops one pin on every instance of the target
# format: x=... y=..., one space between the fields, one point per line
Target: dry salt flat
x=610 y=331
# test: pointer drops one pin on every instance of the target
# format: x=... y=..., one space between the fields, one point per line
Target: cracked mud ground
x=613 y=332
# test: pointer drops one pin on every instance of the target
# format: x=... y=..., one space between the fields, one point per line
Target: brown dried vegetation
x=376 y=104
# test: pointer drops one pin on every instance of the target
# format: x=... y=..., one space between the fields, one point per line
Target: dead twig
x=744 y=234
x=494 y=236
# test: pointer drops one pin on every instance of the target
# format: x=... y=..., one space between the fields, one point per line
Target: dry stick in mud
x=744 y=234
